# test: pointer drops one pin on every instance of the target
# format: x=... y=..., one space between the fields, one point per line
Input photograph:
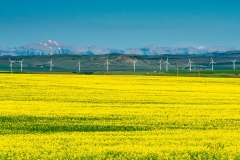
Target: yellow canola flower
x=119 y=117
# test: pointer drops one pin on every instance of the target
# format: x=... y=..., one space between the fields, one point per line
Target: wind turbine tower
x=234 y=63
x=134 y=62
x=160 y=64
x=107 y=63
x=11 y=62
x=21 y=64
x=166 y=64
x=212 y=62
x=79 y=65
x=51 y=65
x=190 y=64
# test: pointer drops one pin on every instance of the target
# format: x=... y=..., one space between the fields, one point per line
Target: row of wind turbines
x=21 y=64
x=11 y=64
x=190 y=64
x=134 y=64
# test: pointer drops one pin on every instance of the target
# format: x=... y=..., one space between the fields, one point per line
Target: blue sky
x=121 y=23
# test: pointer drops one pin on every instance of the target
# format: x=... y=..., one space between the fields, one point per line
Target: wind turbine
x=177 y=66
x=107 y=63
x=234 y=63
x=190 y=64
x=166 y=64
x=134 y=62
x=51 y=65
x=212 y=62
x=79 y=65
x=11 y=62
x=21 y=64
x=160 y=64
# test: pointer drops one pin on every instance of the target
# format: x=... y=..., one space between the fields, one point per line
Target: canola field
x=118 y=117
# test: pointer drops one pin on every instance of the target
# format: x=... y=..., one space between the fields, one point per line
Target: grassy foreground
x=120 y=117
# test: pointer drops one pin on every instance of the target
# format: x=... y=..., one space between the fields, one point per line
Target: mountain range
x=51 y=47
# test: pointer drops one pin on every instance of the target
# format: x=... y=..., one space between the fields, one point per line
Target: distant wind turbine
x=51 y=65
x=79 y=65
x=212 y=62
x=21 y=64
x=134 y=62
x=190 y=64
x=11 y=62
x=160 y=64
x=234 y=63
x=166 y=62
x=107 y=63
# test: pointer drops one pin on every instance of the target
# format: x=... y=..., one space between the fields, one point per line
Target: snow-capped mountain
x=51 y=47
x=96 y=50
x=220 y=49
x=155 y=50
x=48 y=47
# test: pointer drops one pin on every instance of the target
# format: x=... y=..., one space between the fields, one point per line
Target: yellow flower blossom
x=118 y=117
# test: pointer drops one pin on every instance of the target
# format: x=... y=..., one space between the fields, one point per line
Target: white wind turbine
x=166 y=64
x=79 y=65
x=190 y=64
x=21 y=64
x=212 y=62
x=51 y=65
x=234 y=63
x=107 y=63
x=11 y=62
x=160 y=64
x=134 y=63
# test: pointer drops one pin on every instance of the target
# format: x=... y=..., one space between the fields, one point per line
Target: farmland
x=121 y=64
x=57 y=116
